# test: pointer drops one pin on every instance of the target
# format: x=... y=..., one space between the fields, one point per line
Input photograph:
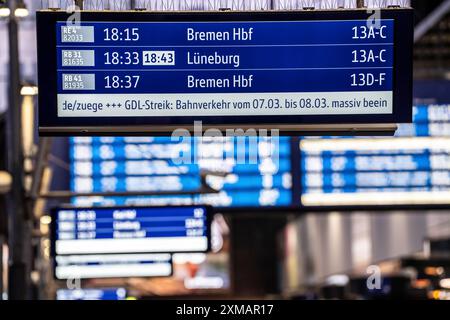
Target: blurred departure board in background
x=258 y=170
x=411 y=168
x=333 y=171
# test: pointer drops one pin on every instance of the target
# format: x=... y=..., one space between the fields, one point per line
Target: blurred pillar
x=254 y=254
x=330 y=242
x=19 y=223
x=1 y=268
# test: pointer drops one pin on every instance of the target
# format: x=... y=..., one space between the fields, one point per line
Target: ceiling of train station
x=432 y=51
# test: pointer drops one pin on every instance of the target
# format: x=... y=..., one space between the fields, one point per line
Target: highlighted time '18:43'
x=158 y=58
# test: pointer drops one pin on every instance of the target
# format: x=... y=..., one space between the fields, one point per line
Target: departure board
x=94 y=266
x=411 y=168
x=255 y=171
x=227 y=69
x=80 y=231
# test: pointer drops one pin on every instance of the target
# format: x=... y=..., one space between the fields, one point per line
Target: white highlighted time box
x=226 y=104
x=158 y=58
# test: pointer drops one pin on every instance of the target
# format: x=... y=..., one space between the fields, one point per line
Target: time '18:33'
x=121 y=82
x=124 y=58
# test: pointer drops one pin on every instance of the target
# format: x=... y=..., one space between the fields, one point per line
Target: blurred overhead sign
x=135 y=72
x=125 y=241
x=257 y=175
x=411 y=169
x=131 y=230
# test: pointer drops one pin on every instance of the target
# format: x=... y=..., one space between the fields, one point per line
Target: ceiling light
x=445 y=283
x=29 y=90
x=4 y=11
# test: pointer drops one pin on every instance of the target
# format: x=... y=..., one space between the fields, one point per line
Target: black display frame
x=50 y=124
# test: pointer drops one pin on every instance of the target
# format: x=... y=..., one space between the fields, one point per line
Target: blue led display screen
x=131 y=70
x=217 y=57
x=130 y=230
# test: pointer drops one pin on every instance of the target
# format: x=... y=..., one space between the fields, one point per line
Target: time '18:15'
x=121 y=82
x=116 y=34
